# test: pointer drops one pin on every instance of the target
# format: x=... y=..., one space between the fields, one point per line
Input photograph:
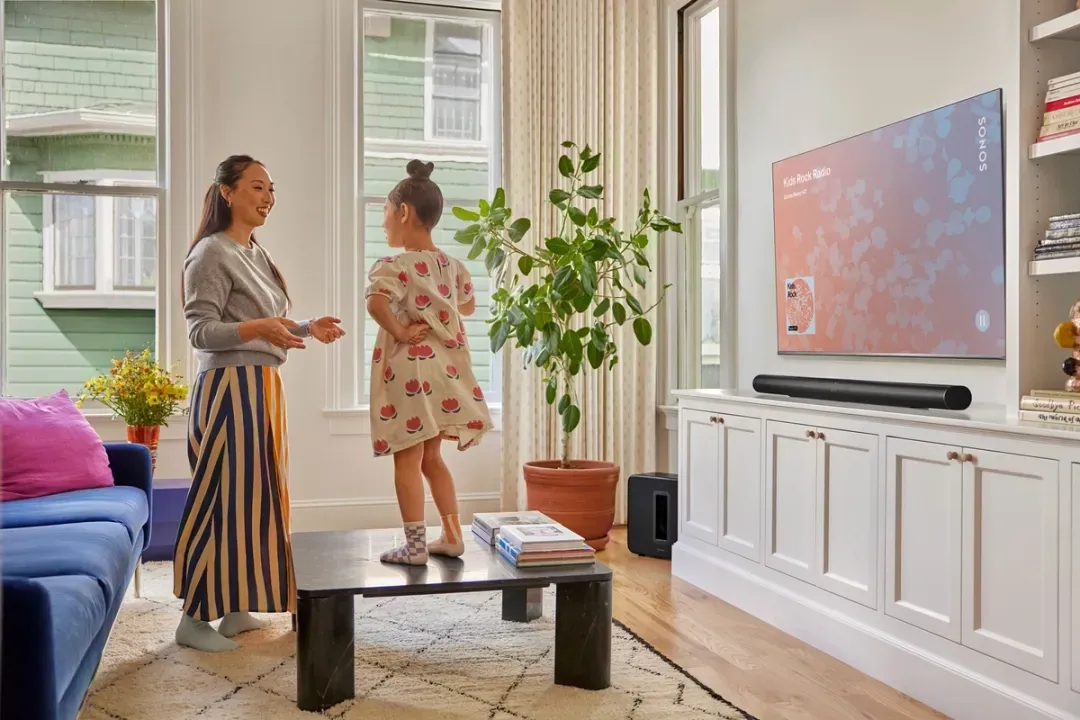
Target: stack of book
x=545 y=545
x=486 y=525
x=1061 y=114
x=1051 y=406
x=1062 y=239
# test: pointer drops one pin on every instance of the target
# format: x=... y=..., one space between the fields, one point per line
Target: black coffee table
x=335 y=566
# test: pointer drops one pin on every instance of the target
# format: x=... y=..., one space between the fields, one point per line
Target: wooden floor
x=753 y=665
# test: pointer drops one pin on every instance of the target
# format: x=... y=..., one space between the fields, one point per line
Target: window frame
x=105 y=296
x=429 y=95
x=346 y=403
x=692 y=198
x=99 y=122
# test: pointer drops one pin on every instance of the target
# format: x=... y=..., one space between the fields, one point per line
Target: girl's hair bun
x=419 y=169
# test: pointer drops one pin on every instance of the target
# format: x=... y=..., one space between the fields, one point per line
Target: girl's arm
x=468 y=308
x=378 y=306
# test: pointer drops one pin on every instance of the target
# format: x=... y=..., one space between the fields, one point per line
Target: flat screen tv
x=893 y=242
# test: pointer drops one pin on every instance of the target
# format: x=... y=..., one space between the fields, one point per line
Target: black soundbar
x=867 y=392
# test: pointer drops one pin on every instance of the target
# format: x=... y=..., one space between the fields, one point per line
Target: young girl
x=423 y=390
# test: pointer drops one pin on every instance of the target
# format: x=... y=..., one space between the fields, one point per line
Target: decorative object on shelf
x=564 y=303
x=1067 y=335
x=142 y=393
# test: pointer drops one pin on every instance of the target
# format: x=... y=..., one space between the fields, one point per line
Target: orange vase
x=581 y=497
x=147 y=435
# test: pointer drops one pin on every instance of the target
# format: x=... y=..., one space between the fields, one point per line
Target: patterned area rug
x=443 y=656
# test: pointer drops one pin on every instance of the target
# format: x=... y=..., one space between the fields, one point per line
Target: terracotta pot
x=581 y=497
x=147 y=435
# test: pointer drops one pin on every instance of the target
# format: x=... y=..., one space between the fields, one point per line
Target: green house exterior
x=80 y=104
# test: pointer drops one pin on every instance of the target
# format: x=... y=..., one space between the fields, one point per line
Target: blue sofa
x=66 y=562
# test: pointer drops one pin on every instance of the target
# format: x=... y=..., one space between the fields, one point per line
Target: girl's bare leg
x=451 y=543
x=410 y=496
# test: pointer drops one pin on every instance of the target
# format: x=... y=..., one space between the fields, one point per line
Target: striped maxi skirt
x=233 y=550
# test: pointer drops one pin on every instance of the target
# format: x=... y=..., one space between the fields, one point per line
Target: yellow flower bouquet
x=139 y=391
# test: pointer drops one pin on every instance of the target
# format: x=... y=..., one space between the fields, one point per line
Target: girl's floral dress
x=419 y=392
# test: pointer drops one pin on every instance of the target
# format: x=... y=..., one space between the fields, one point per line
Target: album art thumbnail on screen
x=892 y=242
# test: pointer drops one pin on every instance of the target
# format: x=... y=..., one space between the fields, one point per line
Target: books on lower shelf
x=1058 y=407
x=486 y=525
x=1062 y=238
x=542 y=545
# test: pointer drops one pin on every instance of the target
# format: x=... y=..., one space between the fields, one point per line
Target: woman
x=233 y=553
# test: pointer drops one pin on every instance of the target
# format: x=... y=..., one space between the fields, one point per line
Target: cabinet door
x=923 y=535
x=847 y=515
x=740 y=486
x=1010 y=559
x=790 y=499
x=699 y=475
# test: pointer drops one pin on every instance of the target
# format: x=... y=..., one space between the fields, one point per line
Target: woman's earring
x=228 y=204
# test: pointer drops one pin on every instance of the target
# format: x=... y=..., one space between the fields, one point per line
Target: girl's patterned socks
x=451 y=544
x=414 y=551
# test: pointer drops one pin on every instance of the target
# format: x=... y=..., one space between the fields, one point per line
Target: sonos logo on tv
x=983 y=155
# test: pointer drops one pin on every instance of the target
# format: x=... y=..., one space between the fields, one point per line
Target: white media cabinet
x=932 y=550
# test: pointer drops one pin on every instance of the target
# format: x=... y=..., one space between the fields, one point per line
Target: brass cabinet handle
x=968 y=457
x=811 y=434
x=952 y=455
x=820 y=435
x=716 y=419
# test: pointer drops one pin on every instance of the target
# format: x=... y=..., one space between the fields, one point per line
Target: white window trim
x=682 y=266
x=103 y=297
x=346 y=409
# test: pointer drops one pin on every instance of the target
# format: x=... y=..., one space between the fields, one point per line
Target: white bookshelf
x=1055 y=266
x=1065 y=27
x=1057 y=146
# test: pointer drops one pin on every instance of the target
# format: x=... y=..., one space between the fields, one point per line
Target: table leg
x=325 y=647
x=522 y=604
x=583 y=635
x=138 y=579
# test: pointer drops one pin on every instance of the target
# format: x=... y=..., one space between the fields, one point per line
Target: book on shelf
x=581 y=555
x=1061 y=239
x=1061 y=112
x=1057 y=407
x=486 y=525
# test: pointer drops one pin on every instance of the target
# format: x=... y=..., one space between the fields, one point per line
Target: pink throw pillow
x=48 y=447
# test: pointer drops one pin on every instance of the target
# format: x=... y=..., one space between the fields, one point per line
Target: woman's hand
x=326 y=329
x=275 y=330
x=413 y=334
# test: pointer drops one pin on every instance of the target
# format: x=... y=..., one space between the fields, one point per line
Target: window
x=705 y=340
x=81 y=182
x=99 y=251
x=429 y=82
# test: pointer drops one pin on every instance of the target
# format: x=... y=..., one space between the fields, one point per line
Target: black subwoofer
x=652 y=518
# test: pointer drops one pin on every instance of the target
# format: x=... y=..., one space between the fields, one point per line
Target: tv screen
x=893 y=242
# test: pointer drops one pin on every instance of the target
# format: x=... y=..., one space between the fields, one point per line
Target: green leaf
x=525 y=333
x=558 y=197
x=467 y=215
x=571 y=418
x=500 y=199
x=571 y=345
x=552 y=389
x=518 y=228
x=557 y=245
x=485 y=208
x=564 y=402
x=634 y=304
x=598 y=338
x=581 y=301
x=643 y=330
x=467 y=234
x=619 y=312
x=614 y=360
x=596 y=357
x=640 y=259
x=601 y=307
x=564 y=278
x=593 y=217
x=583 y=332
x=577 y=216
x=566 y=166
x=592 y=192
x=499 y=334
x=495 y=258
x=590 y=163
x=640 y=241
x=525 y=265
x=568 y=144
x=479 y=246
x=552 y=335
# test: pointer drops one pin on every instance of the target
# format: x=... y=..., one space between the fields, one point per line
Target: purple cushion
x=48 y=447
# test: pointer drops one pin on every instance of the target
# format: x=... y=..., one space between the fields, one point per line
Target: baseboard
x=939 y=682
x=377 y=512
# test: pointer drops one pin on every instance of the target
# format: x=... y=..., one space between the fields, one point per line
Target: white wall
x=811 y=73
x=244 y=80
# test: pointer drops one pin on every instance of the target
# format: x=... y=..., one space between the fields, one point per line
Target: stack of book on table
x=1062 y=238
x=1051 y=406
x=527 y=546
x=486 y=525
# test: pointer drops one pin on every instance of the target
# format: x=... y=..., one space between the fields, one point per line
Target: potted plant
x=563 y=304
x=141 y=392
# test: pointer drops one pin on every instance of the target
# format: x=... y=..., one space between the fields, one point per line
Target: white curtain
x=581 y=70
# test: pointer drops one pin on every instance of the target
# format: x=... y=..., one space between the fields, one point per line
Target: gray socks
x=201 y=635
x=414 y=550
x=238 y=622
